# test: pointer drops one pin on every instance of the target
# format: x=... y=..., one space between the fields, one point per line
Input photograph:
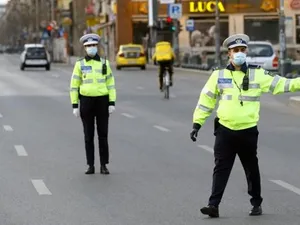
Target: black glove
x=194 y=133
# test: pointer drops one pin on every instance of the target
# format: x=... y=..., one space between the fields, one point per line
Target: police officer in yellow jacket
x=238 y=88
x=93 y=84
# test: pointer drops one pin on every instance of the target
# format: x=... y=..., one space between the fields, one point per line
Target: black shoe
x=104 y=170
x=90 y=170
x=211 y=211
x=255 y=211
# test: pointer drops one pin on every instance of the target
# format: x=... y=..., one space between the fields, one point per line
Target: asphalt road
x=158 y=176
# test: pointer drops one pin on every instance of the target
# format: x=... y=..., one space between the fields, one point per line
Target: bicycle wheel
x=166 y=85
x=167 y=92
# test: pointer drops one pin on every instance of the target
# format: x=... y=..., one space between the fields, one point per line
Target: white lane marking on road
x=40 y=187
x=21 y=150
x=161 y=128
x=128 y=115
x=55 y=75
x=1 y=115
x=287 y=186
x=140 y=88
x=7 y=128
x=206 y=148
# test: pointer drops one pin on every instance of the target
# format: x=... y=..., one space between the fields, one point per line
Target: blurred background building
x=60 y=23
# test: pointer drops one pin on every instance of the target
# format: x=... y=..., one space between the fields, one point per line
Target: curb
x=294 y=101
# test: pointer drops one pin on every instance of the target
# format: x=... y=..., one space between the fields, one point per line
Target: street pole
x=52 y=10
x=176 y=39
x=152 y=22
x=36 y=20
x=217 y=36
x=282 y=38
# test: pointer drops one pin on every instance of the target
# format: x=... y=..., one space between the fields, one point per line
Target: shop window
x=140 y=30
x=297 y=29
x=255 y=28
x=204 y=33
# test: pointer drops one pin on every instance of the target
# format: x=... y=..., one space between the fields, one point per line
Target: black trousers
x=92 y=108
x=228 y=143
x=163 y=65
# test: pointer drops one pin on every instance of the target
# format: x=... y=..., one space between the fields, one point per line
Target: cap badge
x=90 y=39
x=238 y=41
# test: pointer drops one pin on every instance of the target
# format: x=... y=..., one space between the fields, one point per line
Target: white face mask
x=239 y=58
x=91 y=51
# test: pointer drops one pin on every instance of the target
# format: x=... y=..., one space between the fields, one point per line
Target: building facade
x=257 y=18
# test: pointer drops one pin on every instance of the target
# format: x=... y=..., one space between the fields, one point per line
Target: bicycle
x=166 y=84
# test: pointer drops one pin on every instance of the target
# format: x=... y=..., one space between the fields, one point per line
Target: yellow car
x=131 y=55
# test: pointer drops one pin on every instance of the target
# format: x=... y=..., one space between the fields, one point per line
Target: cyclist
x=164 y=56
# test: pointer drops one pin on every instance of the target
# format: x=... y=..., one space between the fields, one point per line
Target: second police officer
x=93 y=91
x=238 y=88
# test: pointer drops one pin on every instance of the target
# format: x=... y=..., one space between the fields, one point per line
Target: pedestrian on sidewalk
x=93 y=96
x=238 y=88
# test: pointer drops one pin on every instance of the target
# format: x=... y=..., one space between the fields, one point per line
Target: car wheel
x=143 y=67
x=118 y=67
x=48 y=67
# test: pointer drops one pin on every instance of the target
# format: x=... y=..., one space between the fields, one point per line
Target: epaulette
x=254 y=66
x=79 y=59
x=216 y=68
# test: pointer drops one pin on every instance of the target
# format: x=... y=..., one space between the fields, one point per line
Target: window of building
x=297 y=29
x=204 y=33
x=260 y=28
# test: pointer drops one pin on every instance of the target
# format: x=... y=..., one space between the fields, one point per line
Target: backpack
x=163 y=51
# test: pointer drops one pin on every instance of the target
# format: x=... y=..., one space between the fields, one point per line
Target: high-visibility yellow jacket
x=88 y=80
x=222 y=86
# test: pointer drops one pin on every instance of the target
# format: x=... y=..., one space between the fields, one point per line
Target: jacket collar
x=244 y=67
x=96 y=57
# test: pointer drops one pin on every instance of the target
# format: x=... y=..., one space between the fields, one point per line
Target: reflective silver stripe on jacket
x=101 y=80
x=204 y=108
x=210 y=94
x=251 y=74
x=98 y=71
x=252 y=86
x=109 y=76
x=274 y=83
x=249 y=98
x=74 y=89
x=111 y=87
x=287 y=85
x=221 y=75
x=76 y=77
x=87 y=81
x=226 y=97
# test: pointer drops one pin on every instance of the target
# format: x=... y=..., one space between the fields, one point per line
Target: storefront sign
x=209 y=6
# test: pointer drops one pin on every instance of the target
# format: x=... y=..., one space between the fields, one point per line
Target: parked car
x=131 y=55
x=35 y=55
x=263 y=54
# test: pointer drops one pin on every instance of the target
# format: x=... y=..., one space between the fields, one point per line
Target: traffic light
x=169 y=20
x=49 y=29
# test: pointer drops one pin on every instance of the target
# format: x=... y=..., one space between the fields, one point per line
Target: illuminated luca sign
x=209 y=6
